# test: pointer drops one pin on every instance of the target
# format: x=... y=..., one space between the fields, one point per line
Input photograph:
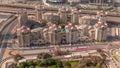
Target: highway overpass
x=16 y=5
x=14 y=11
x=32 y=7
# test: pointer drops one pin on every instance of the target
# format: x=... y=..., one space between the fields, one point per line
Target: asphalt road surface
x=3 y=40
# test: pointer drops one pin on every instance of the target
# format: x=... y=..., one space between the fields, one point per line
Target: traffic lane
x=72 y=49
x=11 y=28
x=61 y=46
x=6 y=31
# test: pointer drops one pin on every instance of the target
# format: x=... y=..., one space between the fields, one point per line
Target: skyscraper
x=75 y=16
x=71 y=33
x=39 y=11
x=54 y=35
x=23 y=35
x=63 y=15
x=100 y=28
x=22 y=17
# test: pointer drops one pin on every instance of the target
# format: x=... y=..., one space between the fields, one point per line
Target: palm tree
x=22 y=65
x=38 y=62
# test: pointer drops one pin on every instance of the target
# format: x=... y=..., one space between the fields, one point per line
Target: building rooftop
x=37 y=29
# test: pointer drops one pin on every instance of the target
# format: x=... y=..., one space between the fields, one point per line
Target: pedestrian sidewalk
x=7 y=51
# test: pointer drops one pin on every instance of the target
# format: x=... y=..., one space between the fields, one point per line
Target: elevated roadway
x=14 y=11
x=111 y=17
x=32 y=7
x=13 y=5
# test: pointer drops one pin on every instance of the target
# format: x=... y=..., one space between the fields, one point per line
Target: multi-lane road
x=111 y=17
x=5 y=32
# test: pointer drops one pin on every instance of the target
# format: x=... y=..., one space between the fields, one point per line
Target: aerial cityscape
x=59 y=33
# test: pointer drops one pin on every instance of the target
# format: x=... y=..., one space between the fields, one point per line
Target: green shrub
x=22 y=65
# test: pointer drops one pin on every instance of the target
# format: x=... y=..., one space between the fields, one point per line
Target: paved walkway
x=4 y=64
x=7 y=51
x=7 y=55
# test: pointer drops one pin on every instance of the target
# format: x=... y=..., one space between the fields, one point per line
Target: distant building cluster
x=94 y=2
x=63 y=27
x=56 y=1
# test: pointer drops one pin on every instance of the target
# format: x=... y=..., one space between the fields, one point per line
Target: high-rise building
x=63 y=15
x=75 y=16
x=22 y=17
x=55 y=1
x=54 y=35
x=73 y=2
x=115 y=31
x=39 y=11
x=98 y=2
x=37 y=33
x=71 y=33
x=100 y=30
x=58 y=35
x=23 y=35
x=23 y=32
x=85 y=20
